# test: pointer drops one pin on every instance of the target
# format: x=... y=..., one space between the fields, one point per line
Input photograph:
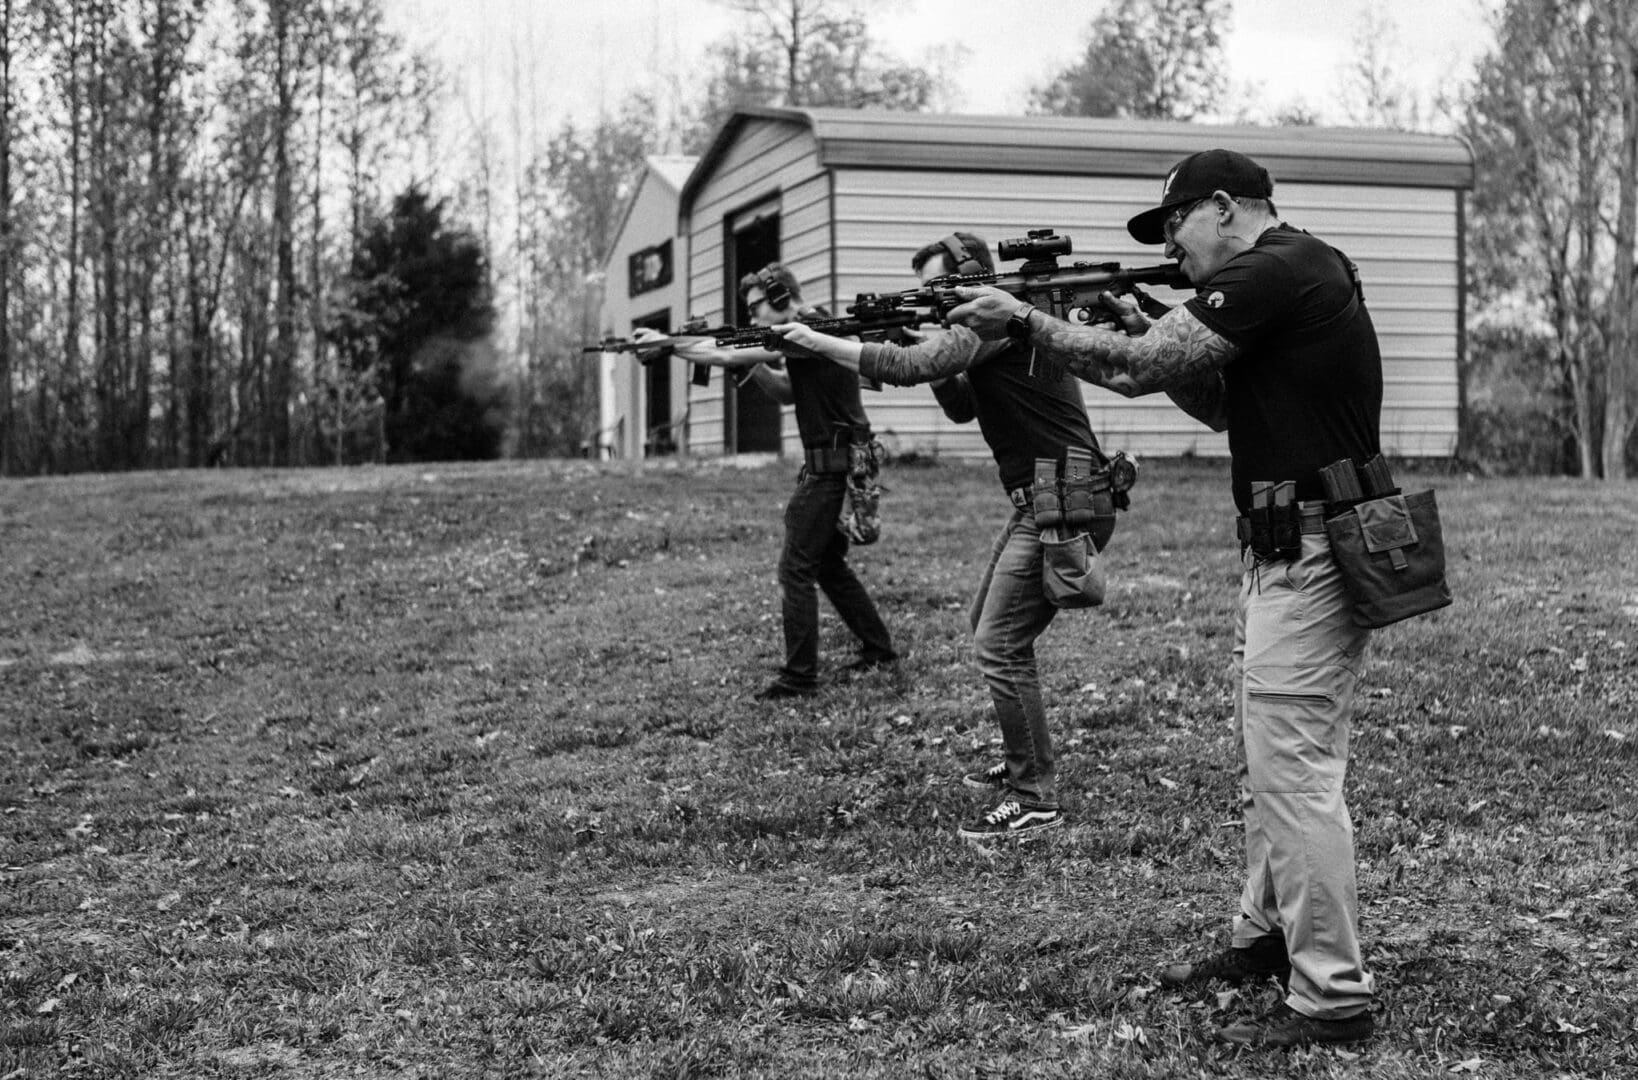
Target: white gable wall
x=651 y=219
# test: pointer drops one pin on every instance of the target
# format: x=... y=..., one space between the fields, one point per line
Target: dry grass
x=454 y=772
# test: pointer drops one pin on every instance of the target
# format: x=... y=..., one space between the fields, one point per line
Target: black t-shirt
x=1022 y=416
x=828 y=409
x=1307 y=389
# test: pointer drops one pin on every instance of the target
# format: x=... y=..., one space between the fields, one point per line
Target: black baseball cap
x=1195 y=178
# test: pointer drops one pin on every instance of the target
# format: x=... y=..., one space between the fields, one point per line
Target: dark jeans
x=815 y=554
x=1009 y=611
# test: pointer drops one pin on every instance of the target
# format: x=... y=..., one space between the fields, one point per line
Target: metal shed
x=844 y=197
x=642 y=410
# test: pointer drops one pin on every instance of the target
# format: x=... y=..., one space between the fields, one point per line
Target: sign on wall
x=649 y=269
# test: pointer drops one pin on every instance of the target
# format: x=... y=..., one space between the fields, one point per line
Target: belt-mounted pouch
x=1071 y=574
x=1089 y=497
x=1049 y=504
x=1391 y=552
x=1285 y=522
x=1272 y=528
x=861 y=520
x=1257 y=532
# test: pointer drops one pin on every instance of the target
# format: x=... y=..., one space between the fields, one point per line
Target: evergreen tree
x=421 y=313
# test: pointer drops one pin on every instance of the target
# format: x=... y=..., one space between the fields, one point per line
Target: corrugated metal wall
x=1404 y=240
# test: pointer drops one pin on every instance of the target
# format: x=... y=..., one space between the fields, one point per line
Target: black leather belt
x=826 y=460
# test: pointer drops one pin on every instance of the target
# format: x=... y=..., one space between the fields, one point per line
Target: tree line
x=248 y=232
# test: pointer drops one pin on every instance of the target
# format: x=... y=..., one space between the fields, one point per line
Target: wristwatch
x=1018 y=323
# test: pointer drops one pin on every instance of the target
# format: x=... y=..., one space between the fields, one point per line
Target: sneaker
x=1012 y=819
x=1285 y=1026
x=1263 y=957
x=993 y=778
x=780 y=691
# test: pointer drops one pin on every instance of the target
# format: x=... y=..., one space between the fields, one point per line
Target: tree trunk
x=1622 y=385
x=8 y=422
x=280 y=383
x=73 y=420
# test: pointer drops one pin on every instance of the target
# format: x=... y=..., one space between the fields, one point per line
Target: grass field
x=453 y=771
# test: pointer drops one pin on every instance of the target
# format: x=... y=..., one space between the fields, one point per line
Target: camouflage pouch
x=861 y=520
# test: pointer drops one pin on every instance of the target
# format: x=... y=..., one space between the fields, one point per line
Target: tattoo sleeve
x=938 y=357
x=1178 y=354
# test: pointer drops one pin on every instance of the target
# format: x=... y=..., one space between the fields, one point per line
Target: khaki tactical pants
x=1297 y=655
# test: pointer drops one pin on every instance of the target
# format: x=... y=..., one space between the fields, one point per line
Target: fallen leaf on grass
x=48 y=1006
x=1225 y=998
x=1471 y=1065
x=1131 y=1033
x=1567 y=1028
x=1080 y=1031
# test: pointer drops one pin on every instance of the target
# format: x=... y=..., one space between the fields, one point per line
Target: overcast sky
x=578 y=56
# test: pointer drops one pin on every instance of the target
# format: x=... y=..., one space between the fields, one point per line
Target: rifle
x=655 y=350
x=1069 y=292
x=865 y=320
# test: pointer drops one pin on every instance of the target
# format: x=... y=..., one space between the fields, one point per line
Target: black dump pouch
x=1392 y=555
x=1390 y=548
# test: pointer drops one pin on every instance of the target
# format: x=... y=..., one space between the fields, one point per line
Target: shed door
x=752 y=417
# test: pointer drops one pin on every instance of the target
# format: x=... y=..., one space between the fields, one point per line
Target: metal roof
x=873 y=138
x=672 y=168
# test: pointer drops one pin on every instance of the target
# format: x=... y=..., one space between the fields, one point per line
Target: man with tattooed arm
x=1278 y=349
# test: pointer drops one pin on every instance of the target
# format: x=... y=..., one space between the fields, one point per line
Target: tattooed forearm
x=1177 y=351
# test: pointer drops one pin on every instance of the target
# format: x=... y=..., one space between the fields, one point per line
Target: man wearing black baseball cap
x=1277 y=348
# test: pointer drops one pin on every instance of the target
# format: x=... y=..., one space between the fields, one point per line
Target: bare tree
x=1150 y=59
x=1551 y=124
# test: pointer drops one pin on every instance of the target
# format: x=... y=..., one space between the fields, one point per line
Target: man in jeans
x=1278 y=349
x=830 y=419
x=1025 y=414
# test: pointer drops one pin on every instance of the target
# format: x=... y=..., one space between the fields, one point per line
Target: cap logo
x=1166 y=188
